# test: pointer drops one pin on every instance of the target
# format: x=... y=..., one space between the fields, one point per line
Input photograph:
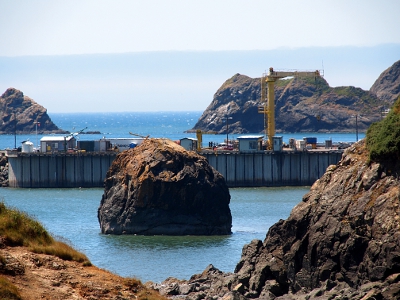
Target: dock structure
x=240 y=169
x=269 y=168
x=58 y=170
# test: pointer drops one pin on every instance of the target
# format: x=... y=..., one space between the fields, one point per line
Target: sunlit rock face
x=159 y=188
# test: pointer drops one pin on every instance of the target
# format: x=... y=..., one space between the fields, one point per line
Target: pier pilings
x=267 y=168
x=59 y=170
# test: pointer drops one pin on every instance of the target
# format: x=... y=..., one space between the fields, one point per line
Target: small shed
x=189 y=143
x=250 y=143
x=278 y=143
x=57 y=143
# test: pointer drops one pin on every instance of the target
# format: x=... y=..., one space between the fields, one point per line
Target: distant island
x=301 y=105
x=21 y=114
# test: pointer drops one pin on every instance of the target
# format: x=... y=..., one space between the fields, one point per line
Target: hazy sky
x=116 y=26
x=44 y=46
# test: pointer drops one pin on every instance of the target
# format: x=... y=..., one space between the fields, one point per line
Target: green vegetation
x=8 y=291
x=18 y=229
x=353 y=92
x=383 y=138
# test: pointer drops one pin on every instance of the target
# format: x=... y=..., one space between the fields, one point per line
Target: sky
x=80 y=55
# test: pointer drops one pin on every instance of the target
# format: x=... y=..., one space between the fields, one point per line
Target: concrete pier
x=284 y=168
x=33 y=170
x=253 y=169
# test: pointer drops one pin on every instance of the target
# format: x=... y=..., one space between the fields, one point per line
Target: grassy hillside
x=30 y=256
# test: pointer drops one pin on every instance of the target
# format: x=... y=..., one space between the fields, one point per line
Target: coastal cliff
x=342 y=241
x=19 y=114
x=301 y=105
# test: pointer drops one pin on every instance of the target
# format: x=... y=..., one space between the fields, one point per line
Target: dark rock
x=387 y=86
x=341 y=242
x=19 y=114
x=301 y=105
x=3 y=171
x=160 y=188
x=337 y=233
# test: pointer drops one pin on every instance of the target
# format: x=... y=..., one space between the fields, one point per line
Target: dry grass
x=8 y=291
x=19 y=229
x=141 y=291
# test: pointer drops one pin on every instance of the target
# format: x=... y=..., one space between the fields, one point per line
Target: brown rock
x=19 y=114
x=387 y=86
x=160 y=188
x=301 y=105
x=346 y=229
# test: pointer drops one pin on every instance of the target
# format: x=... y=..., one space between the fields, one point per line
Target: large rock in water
x=19 y=114
x=159 y=188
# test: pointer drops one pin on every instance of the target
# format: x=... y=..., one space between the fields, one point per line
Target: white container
x=27 y=147
x=300 y=145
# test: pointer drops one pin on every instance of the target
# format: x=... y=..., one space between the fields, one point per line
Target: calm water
x=71 y=214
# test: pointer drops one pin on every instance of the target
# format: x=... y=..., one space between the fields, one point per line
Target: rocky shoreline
x=341 y=242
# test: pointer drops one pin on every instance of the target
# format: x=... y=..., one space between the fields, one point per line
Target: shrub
x=383 y=138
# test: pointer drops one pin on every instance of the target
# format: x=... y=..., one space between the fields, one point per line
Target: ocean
x=71 y=214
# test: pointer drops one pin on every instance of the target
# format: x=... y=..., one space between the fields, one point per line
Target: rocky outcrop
x=19 y=114
x=159 y=188
x=301 y=105
x=342 y=241
x=387 y=86
x=345 y=232
x=3 y=171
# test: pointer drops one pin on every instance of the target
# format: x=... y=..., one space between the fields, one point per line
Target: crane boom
x=268 y=108
x=199 y=135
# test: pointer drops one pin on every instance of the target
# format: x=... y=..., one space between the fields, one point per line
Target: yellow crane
x=268 y=108
x=199 y=135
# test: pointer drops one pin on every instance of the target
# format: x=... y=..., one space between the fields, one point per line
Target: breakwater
x=254 y=169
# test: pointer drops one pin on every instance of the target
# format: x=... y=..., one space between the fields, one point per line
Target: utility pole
x=37 y=123
x=356 y=129
x=227 y=129
x=15 y=132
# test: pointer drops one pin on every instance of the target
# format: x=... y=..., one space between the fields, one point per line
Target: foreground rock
x=159 y=188
x=40 y=276
x=19 y=114
x=341 y=242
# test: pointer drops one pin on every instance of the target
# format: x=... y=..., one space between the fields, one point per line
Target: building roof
x=56 y=138
x=250 y=137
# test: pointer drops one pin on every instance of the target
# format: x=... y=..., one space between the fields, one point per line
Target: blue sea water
x=71 y=214
x=170 y=125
